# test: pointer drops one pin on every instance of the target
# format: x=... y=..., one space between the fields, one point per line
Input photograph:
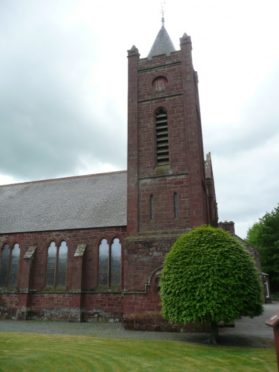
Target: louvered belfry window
x=162 y=137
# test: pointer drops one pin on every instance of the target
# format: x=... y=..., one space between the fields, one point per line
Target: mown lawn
x=33 y=352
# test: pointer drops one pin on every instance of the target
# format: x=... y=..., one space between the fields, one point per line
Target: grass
x=33 y=352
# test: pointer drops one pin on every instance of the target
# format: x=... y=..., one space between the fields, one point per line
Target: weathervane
x=163 y=8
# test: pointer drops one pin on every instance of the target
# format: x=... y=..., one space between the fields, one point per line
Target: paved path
x=256 y=326
x=247 y=332
x=252 y=331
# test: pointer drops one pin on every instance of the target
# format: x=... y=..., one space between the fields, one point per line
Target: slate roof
x=162 y=44
x=98 y=200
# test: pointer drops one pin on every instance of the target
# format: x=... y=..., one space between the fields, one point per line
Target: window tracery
x=57 y=265
x=110 y=263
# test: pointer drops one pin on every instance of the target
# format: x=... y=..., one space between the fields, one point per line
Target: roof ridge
x=63 y=178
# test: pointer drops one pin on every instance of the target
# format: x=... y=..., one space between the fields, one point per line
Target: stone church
x=88 y=247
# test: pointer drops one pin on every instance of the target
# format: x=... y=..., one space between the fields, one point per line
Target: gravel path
x=247 y=332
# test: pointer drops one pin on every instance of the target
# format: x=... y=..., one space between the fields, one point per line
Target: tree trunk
x=213 y=337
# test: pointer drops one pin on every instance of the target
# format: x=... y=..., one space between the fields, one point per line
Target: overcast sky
x=63 y=89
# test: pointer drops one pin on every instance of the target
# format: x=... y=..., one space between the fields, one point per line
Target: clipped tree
x=264 y=235
x=208 y=278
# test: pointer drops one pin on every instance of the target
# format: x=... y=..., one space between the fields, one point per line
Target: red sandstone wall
x=162 y=190
x=82 y=298
x=143 y=256
x=102 y=305
x=185 y=172
x=34 y=298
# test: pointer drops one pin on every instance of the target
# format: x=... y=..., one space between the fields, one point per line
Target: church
x=92 y=247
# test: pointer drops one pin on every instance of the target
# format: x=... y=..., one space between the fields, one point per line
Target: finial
x=163 y=4
x=133 y=51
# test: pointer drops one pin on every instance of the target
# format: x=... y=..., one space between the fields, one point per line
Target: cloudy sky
x=63 y=89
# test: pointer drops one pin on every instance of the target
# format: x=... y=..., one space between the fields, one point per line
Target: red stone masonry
x=33 y=298
x=148 y=236
x=185 y=172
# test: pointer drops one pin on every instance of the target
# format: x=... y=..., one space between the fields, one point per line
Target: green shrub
x=264 y=235
x=208 y=277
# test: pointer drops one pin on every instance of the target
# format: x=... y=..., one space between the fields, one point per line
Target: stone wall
x=81 y=295
x=185 y=172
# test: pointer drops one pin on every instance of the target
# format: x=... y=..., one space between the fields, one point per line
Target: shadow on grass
x=230 y=340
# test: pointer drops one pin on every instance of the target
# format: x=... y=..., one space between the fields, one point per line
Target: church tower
x=170 y=186
x=167 y=188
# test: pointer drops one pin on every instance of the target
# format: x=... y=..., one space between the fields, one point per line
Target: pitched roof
x=162 y=44
x=98 y=200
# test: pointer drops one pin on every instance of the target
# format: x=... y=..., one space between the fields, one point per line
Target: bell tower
x=167 y=188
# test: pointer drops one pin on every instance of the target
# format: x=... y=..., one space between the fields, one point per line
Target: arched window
x=115 y=263
x=110 y=263
x=57 y=265
x=104 y=263
x=159 y=84
x=51 y=264
x=4 y=268
x=62 y=264
x=9 y=264
x=162 y=137
x=15 y=253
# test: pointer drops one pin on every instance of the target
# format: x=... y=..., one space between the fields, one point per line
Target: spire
x=162 y=43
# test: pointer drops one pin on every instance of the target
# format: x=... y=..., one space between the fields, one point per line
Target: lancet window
x=110 y=264
x=9 y=266
x=57 y=265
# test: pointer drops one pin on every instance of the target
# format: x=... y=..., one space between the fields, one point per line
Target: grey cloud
x=257 y=124
x=247 y=183
x=46 y=128
x=245 y=154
